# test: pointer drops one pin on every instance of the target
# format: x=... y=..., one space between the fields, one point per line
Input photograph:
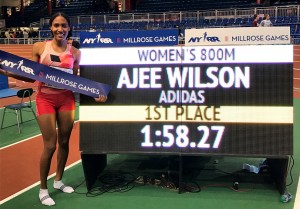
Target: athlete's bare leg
x=65 y=122
x=47 y=124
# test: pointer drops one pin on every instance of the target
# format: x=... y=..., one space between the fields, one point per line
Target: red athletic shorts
x=52 y=103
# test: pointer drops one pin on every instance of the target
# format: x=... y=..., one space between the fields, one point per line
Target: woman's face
x=60 y=28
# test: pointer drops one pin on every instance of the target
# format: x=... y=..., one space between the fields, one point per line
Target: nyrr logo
x=97 y=40
x=19 y=65
x=204 y=38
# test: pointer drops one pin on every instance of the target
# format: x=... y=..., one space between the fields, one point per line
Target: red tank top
x=59 y=61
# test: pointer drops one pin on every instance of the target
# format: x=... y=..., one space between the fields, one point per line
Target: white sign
x=187 y=54
x=237 y=36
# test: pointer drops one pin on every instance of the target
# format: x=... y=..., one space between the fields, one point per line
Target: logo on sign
x=97 y=40
x=19 y=66
x=204 y=38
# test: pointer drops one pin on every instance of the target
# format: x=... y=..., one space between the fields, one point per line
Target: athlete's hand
x=101 y=98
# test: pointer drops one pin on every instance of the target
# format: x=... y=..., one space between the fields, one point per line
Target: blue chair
x=18 y=107
x=231 y=21
x=238 y=21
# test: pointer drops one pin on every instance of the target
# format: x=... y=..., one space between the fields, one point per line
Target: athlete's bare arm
x=77 y=57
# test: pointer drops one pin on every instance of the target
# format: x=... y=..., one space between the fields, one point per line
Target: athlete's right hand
x=101 y=98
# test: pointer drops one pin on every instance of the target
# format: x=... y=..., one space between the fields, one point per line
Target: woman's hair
x=265 y=17
x=70 y=33
x=55 y=15
x=76 y=44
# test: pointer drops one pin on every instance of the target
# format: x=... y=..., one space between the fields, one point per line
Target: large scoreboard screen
x=228 y=100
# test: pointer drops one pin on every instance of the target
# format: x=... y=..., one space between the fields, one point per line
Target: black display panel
x=236 y=106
